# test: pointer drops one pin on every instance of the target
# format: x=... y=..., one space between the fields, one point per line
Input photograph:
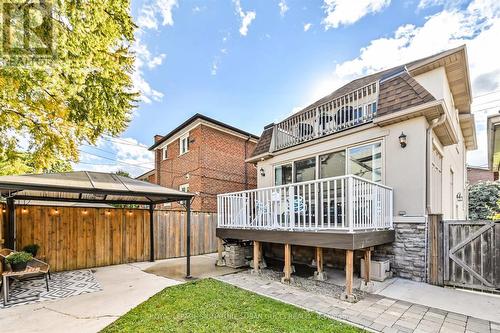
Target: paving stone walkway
x=374 y=312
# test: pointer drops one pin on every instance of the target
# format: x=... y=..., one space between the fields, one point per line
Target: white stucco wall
x=403 y=169
x=454 y=156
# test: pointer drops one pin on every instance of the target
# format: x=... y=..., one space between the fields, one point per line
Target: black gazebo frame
x=12 y=188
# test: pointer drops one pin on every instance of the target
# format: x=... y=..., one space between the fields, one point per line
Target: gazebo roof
x=87 y=186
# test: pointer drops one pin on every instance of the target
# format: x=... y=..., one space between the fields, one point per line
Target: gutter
x=428 y=148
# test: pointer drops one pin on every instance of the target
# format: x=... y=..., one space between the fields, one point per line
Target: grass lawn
x=212 y=306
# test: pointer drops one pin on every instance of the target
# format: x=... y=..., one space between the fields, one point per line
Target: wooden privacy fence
x=76 y=237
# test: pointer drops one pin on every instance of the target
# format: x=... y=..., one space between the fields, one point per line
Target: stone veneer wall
x=407 y=253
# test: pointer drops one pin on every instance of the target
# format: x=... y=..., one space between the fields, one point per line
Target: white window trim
x=347 y=159
x=181 y=139
x=184 y=187
x=164 y=153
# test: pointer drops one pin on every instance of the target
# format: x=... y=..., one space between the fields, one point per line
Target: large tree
x=82 y=89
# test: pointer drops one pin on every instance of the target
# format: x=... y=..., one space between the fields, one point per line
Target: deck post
x=347 y=295
x=319 y=275
x=256 y=257
x=288 y=265
x=220 y=248
x=367 y=285
x=368 y=259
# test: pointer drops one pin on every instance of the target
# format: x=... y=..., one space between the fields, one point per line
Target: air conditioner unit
x=379 y=270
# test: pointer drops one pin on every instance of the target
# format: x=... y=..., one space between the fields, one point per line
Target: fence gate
x=472 y=254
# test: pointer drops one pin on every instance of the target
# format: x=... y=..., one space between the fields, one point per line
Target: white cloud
x=215 y=67
x=144 y=58
x=307 y=26
x=165 y=8
x=246 y=17
x=431 y=3
x=147 y=18
x=149 y=14
x=283 y=7
x=113 y=154
x=477 y=26
x=345 y=12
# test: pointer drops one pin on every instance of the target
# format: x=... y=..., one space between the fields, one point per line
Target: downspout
x=428 y=148
x=245 y=162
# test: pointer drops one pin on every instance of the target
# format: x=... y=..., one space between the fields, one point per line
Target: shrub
x=18 y=258
x=484 y=201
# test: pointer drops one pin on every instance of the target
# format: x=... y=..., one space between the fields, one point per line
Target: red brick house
x=206 y=157
x=478 y=174
x=149 y=176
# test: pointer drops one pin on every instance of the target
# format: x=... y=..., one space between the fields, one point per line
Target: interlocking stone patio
x=373 y=312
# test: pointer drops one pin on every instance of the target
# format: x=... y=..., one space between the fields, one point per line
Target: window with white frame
x=283 y=174
x=164 y=153
x=363 y=161
x=184 y=188
x=184 y=144
x=366 y=161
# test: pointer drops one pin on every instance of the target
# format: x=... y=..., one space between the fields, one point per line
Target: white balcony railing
x=352 y=109
x=347 y=203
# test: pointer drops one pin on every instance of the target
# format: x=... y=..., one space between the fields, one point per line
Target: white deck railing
x=352 y=109
x=347 y=203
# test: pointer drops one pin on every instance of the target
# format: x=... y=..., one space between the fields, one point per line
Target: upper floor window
x=184 y=188
x=184 y=144
x=164 y=153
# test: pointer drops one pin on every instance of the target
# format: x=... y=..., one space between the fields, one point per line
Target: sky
x=249 y=63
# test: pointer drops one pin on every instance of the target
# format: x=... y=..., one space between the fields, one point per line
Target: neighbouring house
x=479 y=174
x=149 y=176
x=363 y=170
x=493 y=133
x=206 y=157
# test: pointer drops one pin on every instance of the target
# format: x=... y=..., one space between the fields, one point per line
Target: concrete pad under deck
x=475 y=304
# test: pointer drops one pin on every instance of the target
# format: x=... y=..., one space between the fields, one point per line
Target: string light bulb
x=56 y=211
x=24 y=210
x=84 y=212
x=108 y=212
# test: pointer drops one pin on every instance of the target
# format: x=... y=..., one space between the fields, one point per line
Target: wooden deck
x=324 y=239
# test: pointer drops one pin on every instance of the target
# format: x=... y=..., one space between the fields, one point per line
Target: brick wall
x=475 y=175
x=214 y=164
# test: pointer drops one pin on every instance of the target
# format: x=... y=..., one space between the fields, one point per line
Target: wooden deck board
x=325 y=239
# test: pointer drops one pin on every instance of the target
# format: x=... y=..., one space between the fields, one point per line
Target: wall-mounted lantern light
x=262 y=172
x=402 y=140
x=459 y=197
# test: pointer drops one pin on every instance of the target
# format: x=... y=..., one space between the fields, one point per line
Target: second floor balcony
x=336 y=114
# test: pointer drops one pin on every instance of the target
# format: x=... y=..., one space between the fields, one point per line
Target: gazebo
x=94 y=188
